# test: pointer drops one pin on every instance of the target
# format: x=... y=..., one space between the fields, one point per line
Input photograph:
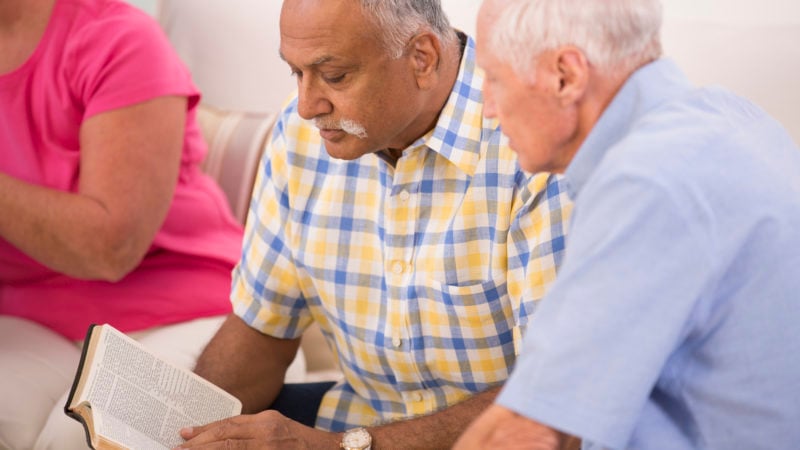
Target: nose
x=311 y=101
x=489 y=109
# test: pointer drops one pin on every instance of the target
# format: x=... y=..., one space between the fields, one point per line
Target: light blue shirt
x=675 y=319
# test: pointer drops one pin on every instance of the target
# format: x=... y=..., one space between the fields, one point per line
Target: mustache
x=348 y=126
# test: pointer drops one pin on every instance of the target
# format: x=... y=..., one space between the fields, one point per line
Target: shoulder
x=706 y=153
x=116 y=55
x=105 y=34
x=104 y=22
x=691 y=134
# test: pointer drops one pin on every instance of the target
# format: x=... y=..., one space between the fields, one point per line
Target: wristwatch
x=356 y=439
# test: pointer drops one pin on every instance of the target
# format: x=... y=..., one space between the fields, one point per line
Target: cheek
x=388 y=111
x=346 y=106
x=516 y=115
x=565 y=125
x=365 y=105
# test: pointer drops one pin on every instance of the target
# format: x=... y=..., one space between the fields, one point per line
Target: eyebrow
x=319 y=61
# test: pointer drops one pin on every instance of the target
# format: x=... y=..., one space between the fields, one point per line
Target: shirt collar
x=645 y=89
x=458 y=131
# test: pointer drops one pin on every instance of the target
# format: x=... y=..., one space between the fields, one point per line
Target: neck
x=436 y=98
x=450 y=65
x=17 y=13
x=603 y=89
x=11 y=12
x=600 y=92
x=451 y=61
x=22 y=24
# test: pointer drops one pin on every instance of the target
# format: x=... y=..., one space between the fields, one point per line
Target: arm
x=271 y=430
x=128 y=169
x=248 y=364
x=437 y=430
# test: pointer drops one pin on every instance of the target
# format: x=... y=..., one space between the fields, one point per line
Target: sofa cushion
x=235 y=141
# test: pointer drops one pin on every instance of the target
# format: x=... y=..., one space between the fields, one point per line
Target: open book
x=127 y=397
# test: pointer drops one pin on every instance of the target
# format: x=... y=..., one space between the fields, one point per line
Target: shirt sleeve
x=634 y=268
x=122 y=58
x=266 y=292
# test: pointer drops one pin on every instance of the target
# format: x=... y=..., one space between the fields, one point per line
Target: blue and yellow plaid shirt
x=421 y=276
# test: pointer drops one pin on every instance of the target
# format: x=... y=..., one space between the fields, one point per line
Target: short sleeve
x=121 y=58
x=266 y=292
x=634 y=269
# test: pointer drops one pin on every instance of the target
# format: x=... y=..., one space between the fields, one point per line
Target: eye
x=334 y=79
x=297 y=73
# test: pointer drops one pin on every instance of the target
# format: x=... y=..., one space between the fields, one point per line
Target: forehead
x=485 y=58
x=314 y=31
x=487 y=16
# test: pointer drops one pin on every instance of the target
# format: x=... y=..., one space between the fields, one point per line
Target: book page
x=142 y=401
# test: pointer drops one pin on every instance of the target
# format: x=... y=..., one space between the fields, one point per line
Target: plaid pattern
x=419 y=275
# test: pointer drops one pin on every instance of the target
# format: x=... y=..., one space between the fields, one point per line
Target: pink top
x=95 y=56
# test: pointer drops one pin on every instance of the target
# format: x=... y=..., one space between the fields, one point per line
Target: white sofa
x=232 y=49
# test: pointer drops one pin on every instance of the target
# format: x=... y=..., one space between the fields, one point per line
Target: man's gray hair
x=614 y=35
x=399 y=20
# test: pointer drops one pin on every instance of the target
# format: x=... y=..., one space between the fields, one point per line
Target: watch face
x=356 y=439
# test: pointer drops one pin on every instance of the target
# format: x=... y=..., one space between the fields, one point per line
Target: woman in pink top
x=105 y=216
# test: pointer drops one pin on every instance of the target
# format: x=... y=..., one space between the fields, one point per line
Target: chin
x=347 y=151
x=530 y=165
x=524 y=163
x=529 y=168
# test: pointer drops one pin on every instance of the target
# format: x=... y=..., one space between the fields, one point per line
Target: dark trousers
x=301 y=401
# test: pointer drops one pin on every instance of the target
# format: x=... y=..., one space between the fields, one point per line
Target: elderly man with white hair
x=673 y=320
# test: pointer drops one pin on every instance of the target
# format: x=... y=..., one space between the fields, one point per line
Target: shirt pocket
x=484 y=307
x=469 y=333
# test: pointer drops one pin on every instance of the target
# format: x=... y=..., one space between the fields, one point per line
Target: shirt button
x=416 y=396
x=404 y=195
x=397 y=267
x=396 y=341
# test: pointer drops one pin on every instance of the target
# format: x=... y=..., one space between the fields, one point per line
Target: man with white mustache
x=391 y=213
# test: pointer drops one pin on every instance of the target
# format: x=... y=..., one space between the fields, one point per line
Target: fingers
x=230 y=444
x=191 y=432
x=264 y=430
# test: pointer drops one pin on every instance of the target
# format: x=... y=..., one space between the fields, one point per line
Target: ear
x=573 y=73
x=425 y=55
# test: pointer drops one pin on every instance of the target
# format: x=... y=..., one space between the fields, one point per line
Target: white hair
x=399 y=20
x=614 y=35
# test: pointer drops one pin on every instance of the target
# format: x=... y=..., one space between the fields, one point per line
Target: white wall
x=151 y=6
x=766 y=12
x=747 y=46
x=232 y=48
